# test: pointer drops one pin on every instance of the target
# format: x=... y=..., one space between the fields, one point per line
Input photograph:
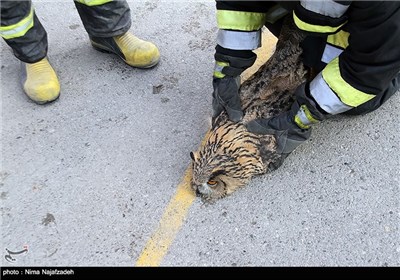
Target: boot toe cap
x=43 y=93
x=145 y=56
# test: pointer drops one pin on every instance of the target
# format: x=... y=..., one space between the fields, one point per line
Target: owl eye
x=212 y=183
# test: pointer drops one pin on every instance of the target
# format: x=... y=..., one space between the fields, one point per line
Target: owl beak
x=203 y=189
x=198 y=193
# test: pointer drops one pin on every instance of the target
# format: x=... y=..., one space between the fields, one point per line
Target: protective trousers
x=23 y=32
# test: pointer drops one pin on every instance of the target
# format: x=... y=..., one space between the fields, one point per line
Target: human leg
x=108 y=23
x=23 y=32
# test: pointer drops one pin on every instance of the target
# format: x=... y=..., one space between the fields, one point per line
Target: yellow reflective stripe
x=308 y=114
x=314 y=28
x=347 y=94
x=304 y=118
x=18 y=29
x=218 y=75
x=93 y=2
x=236 y=20
x=340 y=39
x=300 y=123
x=219 y=65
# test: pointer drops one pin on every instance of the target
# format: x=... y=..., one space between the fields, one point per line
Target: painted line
x=171 y=222
x=174 y=215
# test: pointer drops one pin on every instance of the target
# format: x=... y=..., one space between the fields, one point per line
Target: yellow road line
x=171 y=222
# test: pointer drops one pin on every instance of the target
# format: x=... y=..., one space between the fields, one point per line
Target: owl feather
x=231 y=156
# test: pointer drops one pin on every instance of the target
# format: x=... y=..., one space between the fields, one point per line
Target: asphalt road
x=85 y=180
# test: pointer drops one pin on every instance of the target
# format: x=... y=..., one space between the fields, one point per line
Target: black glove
x=226 y=81
x=293 y=127
x=226 y=96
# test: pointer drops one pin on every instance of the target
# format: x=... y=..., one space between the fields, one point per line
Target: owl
x=230 y=155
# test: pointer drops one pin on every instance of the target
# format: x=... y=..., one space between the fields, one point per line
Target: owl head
x=228 y=158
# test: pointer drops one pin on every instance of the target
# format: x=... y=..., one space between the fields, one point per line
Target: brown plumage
x=231 y=155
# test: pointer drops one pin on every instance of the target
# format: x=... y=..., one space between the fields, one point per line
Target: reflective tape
x=347 y=93
x=239 y=40
x=326 y=7
x=237 y=20
x=304 y=117
x=219 y=65
x=18 y=29
x=339 y=39
x=325 y=97
x=315 y=28
x=93 y=2
x=330 y=53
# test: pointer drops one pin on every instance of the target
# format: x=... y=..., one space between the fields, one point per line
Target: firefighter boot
x=134 y=51
x=39 y=81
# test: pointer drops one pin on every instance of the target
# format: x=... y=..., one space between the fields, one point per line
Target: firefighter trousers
x=23 y=32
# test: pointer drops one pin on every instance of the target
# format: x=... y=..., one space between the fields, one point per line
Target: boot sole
x=45 y=102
